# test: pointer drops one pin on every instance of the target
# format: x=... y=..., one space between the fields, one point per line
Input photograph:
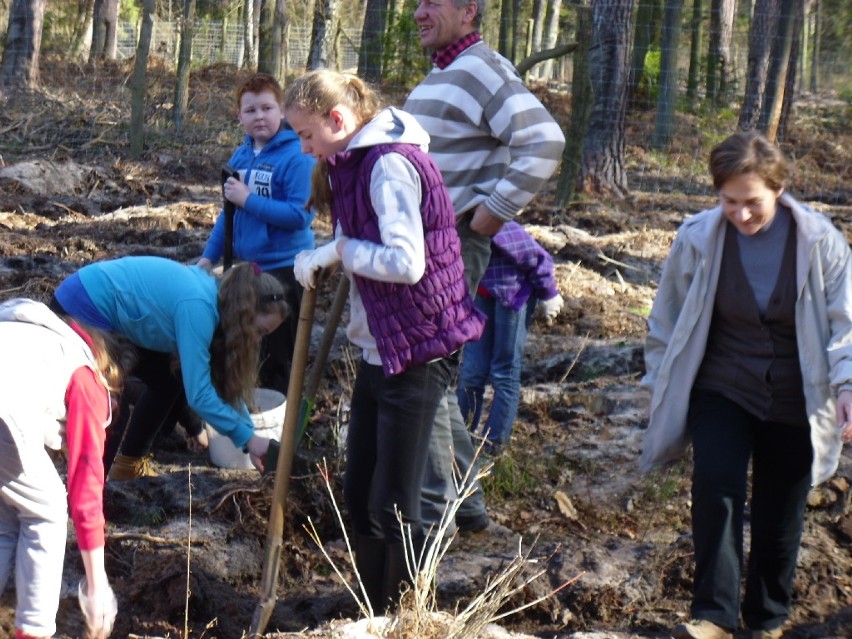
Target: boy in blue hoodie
x=271 y=224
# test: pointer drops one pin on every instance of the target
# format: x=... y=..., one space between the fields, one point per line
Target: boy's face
x=260 y=115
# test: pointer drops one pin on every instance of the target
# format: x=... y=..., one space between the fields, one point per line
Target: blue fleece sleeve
x=194 y=327
x=214 y=248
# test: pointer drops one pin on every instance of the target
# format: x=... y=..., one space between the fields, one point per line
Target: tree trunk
x=250 y=50
x=644 y=35
x=664 y=120
x=266 y=52
x=139 y=87
x=104 y=25
x=322 y=35
x=719 y=53
x=372 y=41
x=694 y=53
x=776 y=74
x=279 y=42
x=582 y=101
x=790 y=82
x=816 y=43
x=519 y=31
x=602 y=170
x=82 y=28
x=504 y=40
x=539 y=14
x=19 y=70
x=764 y=26
x=551 y=34
x=184 y=63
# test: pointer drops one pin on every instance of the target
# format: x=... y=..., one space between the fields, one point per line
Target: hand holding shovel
x=230 y=210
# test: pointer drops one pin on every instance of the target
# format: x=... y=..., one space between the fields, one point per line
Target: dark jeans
x=160 y=402
x=387 y=446
x=725 y=437
x=134 y=434
x=276 y=349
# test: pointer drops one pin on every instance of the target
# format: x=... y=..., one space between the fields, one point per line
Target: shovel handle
x=230 y=210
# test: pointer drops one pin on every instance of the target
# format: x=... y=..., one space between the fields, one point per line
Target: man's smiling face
x=442 y=22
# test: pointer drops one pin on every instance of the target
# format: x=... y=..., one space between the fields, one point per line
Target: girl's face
x=748 y=203
x=323 y=135
x=266 y=323
x=260 y=115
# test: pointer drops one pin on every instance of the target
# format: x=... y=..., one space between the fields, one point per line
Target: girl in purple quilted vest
x=410 y=310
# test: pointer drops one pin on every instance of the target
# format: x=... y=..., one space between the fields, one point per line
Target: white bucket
x=267 y=416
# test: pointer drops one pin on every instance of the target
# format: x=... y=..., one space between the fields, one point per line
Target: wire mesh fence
x=216 y=41
x=817 y=136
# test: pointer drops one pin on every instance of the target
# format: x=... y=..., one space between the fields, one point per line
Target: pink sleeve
x=88 y=404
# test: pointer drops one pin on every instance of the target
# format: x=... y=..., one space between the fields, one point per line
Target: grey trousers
x=450 y=440
x=33 y=527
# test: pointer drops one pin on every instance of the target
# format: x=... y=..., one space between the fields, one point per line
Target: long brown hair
x=318 y=92
x=244 y=292
x=115 y=356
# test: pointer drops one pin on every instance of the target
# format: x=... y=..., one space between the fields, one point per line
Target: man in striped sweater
x=496 y=145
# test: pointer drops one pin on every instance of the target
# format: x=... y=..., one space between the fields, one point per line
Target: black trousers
x=158 y=404
x=276 y=349
x=725 y=438
x=387 y=445
x=153 y=409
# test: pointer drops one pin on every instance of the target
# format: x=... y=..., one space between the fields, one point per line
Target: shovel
x=318 y=367
x=230 y=210
x=309 y=394
x=283 y=468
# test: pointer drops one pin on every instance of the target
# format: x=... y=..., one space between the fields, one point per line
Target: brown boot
x=701 y=629
x=125 y=467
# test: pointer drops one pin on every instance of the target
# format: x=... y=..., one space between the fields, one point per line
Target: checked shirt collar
x=445 y=56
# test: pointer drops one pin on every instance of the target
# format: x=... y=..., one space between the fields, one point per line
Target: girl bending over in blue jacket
x=164 y=309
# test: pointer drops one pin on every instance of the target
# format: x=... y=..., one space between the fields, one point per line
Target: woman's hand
x=198 y=443
x=257 y=448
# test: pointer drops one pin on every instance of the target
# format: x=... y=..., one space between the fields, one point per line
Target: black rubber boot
x=370 y=561
x=396 y=574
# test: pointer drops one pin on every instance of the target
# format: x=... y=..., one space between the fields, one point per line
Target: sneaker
x=775 y=633
x=700 y=629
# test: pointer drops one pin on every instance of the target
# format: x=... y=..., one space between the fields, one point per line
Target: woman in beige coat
x=749 y=359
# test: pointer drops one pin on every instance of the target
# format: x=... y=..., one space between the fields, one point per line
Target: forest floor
x=185 y=549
